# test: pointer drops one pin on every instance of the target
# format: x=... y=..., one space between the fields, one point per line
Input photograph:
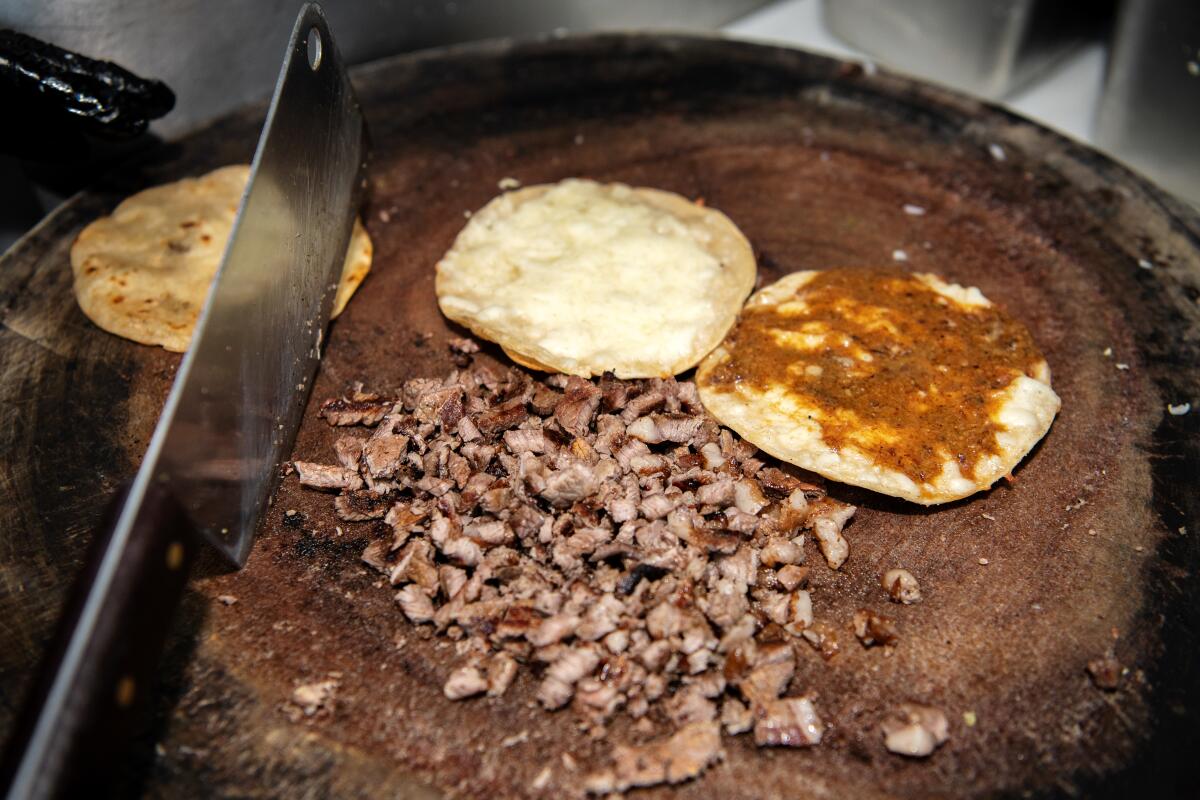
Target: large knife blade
x=232 y=414
x=242 y=386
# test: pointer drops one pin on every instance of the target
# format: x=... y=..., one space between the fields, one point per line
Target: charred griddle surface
x=814 y=161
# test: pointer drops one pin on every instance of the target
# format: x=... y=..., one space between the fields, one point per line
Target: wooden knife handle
x=88 y=696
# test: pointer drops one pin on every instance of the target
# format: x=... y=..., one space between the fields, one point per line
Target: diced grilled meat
x=787 y=722
x=678 y=758
x=359 y=505
x=355 y=412
x=506 y=416
x=324 y=476
x=574 y=412
x=611 y=532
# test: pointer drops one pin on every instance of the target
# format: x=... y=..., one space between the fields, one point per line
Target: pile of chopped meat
x=607 y=535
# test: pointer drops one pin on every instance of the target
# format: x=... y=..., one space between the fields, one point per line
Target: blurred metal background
x=986 y=47
x=219 y=54
x=1150 y=112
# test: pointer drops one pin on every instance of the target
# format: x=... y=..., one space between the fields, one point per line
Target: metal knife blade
x=236 y=404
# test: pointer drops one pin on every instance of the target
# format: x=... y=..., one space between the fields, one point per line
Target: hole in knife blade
x=314 y=49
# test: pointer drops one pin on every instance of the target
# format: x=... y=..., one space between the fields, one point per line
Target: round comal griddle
x=1090 y=550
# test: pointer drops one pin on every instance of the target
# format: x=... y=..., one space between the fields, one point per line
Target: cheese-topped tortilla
x=582 y=278
x=899 y=383
x=143 y=272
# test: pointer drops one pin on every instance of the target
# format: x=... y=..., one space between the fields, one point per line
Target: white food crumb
x=508 y=183
x=1108 y=352
x=579 y=138
x=901 y=586
x=1193 y=68
x=915 y=731
x=227 y=599
x=913 y=210
x=384 y=216
x=542 y=779
x=312 y=697
x=983 y=562
x=1179 y=410
x=467 y=213
x=1138 y=548
x=899 y=255
x=970 y=719
x=996 y=151
x=1144 y=264
x=988 y=516
x=1183 y=530
x=515 y=739
x=1122 y=366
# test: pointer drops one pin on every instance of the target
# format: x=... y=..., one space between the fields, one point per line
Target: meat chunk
x=311 y=698
x=736 y=717
x=501 y=671
x=502 y=418
x=1106 y=672
x=915 y=730
x=324 y=476
x=527 y=441
x=442 y=405
x=581 y=400
x=872 y=629
x=463 y=346
x=901 y=586
x=374 y=555
x=415 y=604
x=384 y=453
x=600 y=619
x=415 y=565
x=403 y=519
x=748 y=497
x=779 y=552
x=559 y=684
x=357 y=505
x=342 y=412
x=349 y=450
x=614 y=393
x=787 y=722
x=465 y=682
x=770 y=674
x=658 y=428
x=553 y=629
x=828 y=517
x=719 y=493
x=681 y=757
x=643 y=404
x=569 y=485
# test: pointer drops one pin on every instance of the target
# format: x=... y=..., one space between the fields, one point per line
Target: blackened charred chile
x=98 y=96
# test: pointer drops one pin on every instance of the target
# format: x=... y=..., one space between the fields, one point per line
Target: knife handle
x=88 y=696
